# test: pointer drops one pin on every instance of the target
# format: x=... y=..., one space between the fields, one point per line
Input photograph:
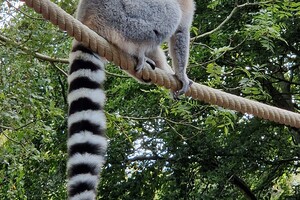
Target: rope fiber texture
x=89 y=38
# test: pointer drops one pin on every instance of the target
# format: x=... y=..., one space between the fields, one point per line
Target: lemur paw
x=186 y=84
x=142 y=62
x=151 y=63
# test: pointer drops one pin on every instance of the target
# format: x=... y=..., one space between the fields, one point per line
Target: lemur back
x=124 y=16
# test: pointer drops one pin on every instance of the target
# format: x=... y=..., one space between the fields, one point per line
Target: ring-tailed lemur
x=138 y=28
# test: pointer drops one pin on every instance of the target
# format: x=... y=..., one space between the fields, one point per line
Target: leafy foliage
x=159 y=148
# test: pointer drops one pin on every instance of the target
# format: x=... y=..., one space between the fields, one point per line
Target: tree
x=159 y=148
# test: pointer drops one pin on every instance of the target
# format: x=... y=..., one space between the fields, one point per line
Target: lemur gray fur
x=139 y=28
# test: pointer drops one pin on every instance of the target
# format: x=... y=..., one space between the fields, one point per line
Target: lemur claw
x=185 y=86
x=151 y=63
x=142 y=62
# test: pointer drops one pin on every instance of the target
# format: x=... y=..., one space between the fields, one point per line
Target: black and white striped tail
x=86 y=123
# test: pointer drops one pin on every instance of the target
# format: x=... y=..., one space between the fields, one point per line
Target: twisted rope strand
x=82 y=33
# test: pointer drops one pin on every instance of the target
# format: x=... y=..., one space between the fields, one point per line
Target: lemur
x=137 y=27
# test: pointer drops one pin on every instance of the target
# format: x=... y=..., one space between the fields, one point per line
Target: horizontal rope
x=89 y=38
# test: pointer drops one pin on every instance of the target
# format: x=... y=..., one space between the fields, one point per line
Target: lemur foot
x=151 y=63
x=142 y=62
x=186 y=84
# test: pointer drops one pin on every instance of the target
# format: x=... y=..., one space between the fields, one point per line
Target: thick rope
x=82 y=33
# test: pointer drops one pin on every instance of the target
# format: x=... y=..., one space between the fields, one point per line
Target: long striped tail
x=86 y=123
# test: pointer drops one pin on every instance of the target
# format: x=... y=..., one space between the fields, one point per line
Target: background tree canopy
x=159 y=148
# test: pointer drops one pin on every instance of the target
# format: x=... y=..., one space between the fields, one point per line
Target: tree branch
x=48 y=58
x=27 y=50
x=163 y=118
x=238 y=182
x=219 y=56
x=145 y=158
x=6 y=127
x=15 y=141
x=63 y=91
x=229 y=17
x=26 y=15
x=14 y=129
x=59 y=69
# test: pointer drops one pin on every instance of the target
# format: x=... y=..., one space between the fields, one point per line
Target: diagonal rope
x=82 y=33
